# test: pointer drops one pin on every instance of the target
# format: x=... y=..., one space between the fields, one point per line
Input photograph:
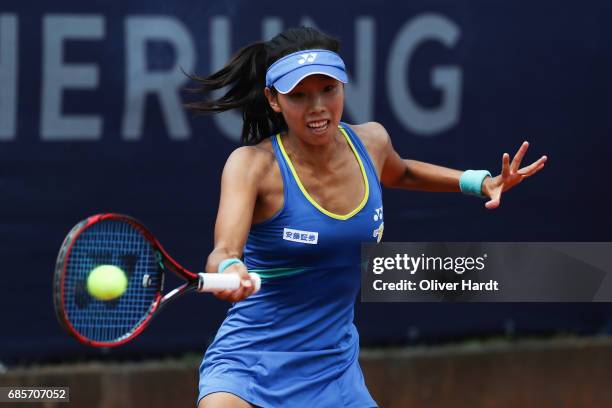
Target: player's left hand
x=510 y=176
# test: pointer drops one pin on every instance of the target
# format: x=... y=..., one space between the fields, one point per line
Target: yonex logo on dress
x=378 y=214
x=309 y=57
x=305 y=237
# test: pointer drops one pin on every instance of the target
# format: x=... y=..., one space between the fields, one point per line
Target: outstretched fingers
x=533 y=168
x=518 y=157
x=495 y=200
x=505 y=165
x=492 y=204
x=512 y=174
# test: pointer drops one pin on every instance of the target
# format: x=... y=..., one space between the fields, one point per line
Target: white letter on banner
x=166 y=84
x=271 y=26
x=8 y=75
x=58 y=76
x=360 y=89
x=423 y=121
x=228 y=122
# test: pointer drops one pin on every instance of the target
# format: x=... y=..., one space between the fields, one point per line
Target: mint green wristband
x=470 y=182
x=226 y=263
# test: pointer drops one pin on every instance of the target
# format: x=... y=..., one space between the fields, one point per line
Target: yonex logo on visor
x=310 y=57
x=288 y=71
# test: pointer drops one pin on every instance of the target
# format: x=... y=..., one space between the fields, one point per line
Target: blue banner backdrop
x=91 y=121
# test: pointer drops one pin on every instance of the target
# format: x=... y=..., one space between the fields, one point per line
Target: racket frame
x=165 y=261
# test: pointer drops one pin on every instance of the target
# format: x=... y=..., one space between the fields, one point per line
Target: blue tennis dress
x=294 y=344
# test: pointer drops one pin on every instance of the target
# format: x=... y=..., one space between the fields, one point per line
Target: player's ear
x=272 y=98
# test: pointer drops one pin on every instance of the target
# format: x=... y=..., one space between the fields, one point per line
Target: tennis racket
x=121 y=241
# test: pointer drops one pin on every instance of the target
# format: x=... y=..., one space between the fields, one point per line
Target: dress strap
x=363 y=153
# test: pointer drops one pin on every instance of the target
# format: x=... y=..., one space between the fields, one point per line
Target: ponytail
x=245 y=77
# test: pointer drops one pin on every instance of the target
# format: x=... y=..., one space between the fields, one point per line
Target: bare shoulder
x=373 y=135
x=256 y=155
x=251 y=162
x=375 y=138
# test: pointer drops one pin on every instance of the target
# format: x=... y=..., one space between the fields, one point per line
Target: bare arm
x=239 y=187
x=412 y=174
x=415 y=175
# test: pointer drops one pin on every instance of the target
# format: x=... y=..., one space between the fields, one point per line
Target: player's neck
x=319 y=156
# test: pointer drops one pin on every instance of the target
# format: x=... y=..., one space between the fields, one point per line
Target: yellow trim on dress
x=309 y=198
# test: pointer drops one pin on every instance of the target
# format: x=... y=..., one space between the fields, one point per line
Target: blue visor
x=288 y=71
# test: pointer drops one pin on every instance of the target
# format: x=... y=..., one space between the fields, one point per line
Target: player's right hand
x=247 y=286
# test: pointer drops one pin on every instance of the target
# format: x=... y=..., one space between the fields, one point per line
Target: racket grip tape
x=214 y=282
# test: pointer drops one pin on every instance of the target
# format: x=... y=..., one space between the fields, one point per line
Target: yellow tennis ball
x=106 y=282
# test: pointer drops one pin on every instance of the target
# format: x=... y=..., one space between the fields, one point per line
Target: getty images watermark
x=412 y=264
x=487 y=272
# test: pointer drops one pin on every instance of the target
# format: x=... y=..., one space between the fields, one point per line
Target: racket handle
x=214 y=282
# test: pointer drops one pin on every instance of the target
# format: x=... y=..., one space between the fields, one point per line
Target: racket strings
x=110 y=242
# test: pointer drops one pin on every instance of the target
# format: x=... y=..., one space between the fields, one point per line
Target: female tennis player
x=297 y=200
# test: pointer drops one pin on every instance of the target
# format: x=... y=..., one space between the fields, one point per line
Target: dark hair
x=245 y=77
